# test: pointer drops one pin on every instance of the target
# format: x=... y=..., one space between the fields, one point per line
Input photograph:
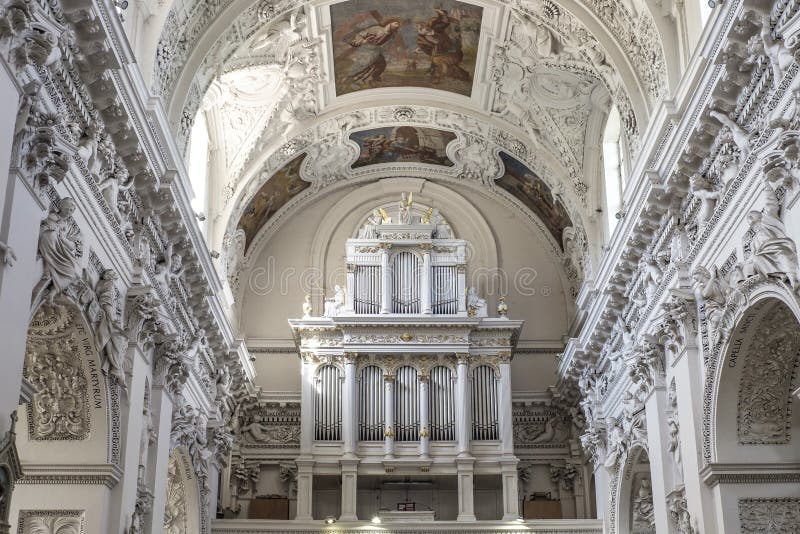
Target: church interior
x=399 y=266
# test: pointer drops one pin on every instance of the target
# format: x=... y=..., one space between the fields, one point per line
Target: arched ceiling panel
x=514 y=60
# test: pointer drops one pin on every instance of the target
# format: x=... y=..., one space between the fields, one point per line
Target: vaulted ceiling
x=507 y=97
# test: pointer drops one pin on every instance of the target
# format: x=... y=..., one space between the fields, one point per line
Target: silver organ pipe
x=367 y=291
x=371 y=408
x=406 y=273
x=445 y=289
x=328 y=405
x=484 y=404
x=406 y=404
x=441 y=400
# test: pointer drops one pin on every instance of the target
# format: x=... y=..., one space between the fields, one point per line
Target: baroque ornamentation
x=54 y=365
x=764 y=412
x=780 y=516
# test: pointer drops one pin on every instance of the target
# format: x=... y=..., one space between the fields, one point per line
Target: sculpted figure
x=705 y=191
x=779 y=56
x=115 y=181
x=773 y=251
x=475 y=304
x=710 y=289
x=404 y=214
x=307 y=307
x=335 y=305
x=111 y=339
x=739 y=135
x=617 y=448
x=61 y=248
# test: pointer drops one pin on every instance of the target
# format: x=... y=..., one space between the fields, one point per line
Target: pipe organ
x=403 y=374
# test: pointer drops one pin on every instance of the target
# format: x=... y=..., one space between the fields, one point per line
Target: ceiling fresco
x=282 y=187
x=405 y=43
x=402 y=144
x=521 y=182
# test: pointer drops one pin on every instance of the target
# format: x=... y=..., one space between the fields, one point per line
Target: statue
x=773 y=251
x=199 y=344
x=476 y=306
x=711 y=291
x=643 y=503
x=708 y=195
x=738 y=134
x=404 y=215
x=307 y=307
x=117 y=179
x=7 y=255
x=335 y=305
x=61 y=248
x=617 y=447
x=111 y=339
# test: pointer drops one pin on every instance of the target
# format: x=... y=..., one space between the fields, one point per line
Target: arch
x=75 y=407
x=757 y=298
x=182 y=511
x=754 y=421
x=631 y=503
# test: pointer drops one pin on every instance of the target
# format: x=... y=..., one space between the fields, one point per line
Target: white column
x=602 y=482
x=463 y=408
x=462 y=289
x=123 y=496
x=158 y=457
x=466 y=503
x=388 y=402
x=386 y=280
x=504 y=411
x=424 y=418
x=307 y=406
x=686 y=370
x=510 y=489
x=426 y=278
x=349 y=489
x=349 y=407
x=661 y=477
x=305 y=488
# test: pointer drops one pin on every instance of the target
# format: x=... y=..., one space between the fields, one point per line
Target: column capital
x=350 y=357
x=426 y=247
x=388 y=378
x=462 y=358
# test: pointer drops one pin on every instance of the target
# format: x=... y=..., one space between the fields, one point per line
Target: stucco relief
x=764 y=414
x=175 y=521
x=776 y=516
x=51 y=522
x=54 y=366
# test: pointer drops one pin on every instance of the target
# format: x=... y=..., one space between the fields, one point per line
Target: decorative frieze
x=780 y=516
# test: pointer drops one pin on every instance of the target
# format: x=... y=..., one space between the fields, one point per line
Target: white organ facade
x=405 y=379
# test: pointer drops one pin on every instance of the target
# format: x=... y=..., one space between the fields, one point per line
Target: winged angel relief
x=417 y=45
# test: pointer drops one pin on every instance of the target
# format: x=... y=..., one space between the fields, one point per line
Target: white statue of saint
x=335 y=305
x=475 y=304
x=404 y=215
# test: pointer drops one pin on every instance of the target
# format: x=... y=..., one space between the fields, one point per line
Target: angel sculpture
x=367 y=43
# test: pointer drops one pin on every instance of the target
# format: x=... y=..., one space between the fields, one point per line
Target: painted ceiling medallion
x=405 y=43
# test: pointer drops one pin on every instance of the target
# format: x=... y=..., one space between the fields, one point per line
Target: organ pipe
x=406 y=404
x=371 y=421
x=328 y=405
x=440 y=395
x=484 y=404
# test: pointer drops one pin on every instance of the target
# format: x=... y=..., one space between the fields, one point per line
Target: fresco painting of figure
x=403 y=144
x=405 y=43
x=531 y=190
x=281 y=187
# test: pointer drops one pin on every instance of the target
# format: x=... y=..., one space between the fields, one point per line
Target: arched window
x=406 y=274
x=484 y=403
x=328 y=404
x=370 y=404
x=406 y=404
x=615 y=163
x=441 y=404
